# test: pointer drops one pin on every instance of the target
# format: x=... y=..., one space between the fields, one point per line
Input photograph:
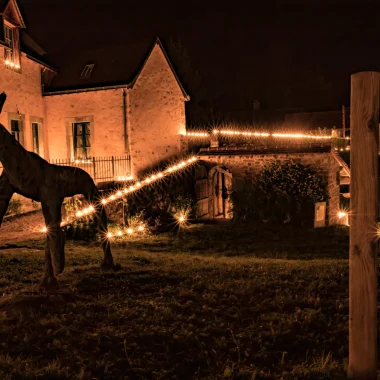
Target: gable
x=12 y=14
x=158 y=53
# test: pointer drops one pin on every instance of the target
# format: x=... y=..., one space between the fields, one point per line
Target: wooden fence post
x=365 y=90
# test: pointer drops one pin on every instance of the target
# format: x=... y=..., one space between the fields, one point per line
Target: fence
x=101 y=169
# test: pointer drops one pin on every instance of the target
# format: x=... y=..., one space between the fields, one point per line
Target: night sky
x=285 y=54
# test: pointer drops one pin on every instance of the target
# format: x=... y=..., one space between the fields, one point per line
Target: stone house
x=113 y=115
x=116 y=112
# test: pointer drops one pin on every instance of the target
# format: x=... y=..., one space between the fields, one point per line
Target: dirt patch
x=22 y=228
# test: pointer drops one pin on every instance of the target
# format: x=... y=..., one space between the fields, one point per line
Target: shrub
x=284 y=192
x=14 y=207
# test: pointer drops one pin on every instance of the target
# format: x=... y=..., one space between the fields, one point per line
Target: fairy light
x=153 y=178
x=341 y=214
x=130 y=231
x=260 y=134
x=119 y=233
x=197 y=134
x=44 y=229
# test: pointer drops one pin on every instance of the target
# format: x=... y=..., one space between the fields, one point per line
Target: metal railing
x=101 y=169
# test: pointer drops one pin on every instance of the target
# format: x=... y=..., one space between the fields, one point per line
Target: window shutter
x=16 y=47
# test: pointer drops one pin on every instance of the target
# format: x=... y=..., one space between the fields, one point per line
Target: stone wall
x=156 y=113
x=241 y=164
x=103 y=109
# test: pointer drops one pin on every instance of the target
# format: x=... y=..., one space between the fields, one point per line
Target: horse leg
x=55 y=240
x=49 y=281
x=102 y=226
x=6 y=192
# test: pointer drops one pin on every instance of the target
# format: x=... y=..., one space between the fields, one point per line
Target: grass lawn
x=216 y=301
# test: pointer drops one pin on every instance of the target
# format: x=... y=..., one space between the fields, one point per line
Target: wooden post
x=365 y=90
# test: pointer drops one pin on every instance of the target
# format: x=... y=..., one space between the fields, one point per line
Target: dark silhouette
x=29 y=175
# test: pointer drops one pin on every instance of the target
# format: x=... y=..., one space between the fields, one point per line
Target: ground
x=214 y=301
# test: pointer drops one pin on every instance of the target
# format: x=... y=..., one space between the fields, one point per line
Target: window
x=8 y=37
x=35 y=137
x=82 y=146
x=11 y=49
x=87 y=70
x=15 y=129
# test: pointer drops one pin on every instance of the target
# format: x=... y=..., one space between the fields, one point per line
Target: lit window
x=82 y=146
x=35 y=136
x=15 y=129
x=87 y=70
x=8 y=37
x=11 y=49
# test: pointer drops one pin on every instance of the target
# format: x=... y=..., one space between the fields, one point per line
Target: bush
x=14 y=207
x=284 y=192
x=81 y=229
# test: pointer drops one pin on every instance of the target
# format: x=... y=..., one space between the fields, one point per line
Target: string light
x=140 y=228
x=124 y=178
x=197 y=134
x=153 y=178
x=259 y=134
x=341 y=214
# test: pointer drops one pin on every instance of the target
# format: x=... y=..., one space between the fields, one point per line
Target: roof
x=117 y=64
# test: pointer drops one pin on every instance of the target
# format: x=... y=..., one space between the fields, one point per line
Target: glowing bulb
x=160 y=175
x=109 y=235
x=140 y=228
x=130 y=231
x=153 y=177
x=112 y=197
x=341 y=214
x=131 y=188
x=91 y=208
x=215 y=131
x=181 y=219
x=119 y=233
x=104 y=201
x=126 y=191
x=7 y=62
x=79 y=213
x=11 y=64
x=148 y=180
x=44 y=229
x=119 y=193
x=86 y=211
x=138 y=184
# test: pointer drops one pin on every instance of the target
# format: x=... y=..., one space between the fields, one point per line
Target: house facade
x=112 y=117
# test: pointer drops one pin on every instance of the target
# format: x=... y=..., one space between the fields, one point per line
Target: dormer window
x=11 y=52
x=87 y=70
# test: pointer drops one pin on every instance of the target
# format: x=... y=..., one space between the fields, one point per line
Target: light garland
x=227 y=132
x=128 y=190
x=197 y=134
x=12 y=64
x=124 y=178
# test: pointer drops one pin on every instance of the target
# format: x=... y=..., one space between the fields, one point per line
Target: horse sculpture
x=31 y=176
